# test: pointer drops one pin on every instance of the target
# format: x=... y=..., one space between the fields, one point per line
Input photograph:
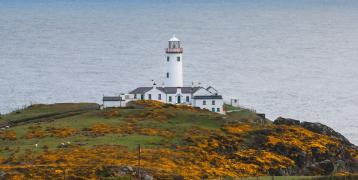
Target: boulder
x=148 y=177
x=340 y=166
x=286 y=121
x=115 y=171
x=325 y=167
x=2 y=174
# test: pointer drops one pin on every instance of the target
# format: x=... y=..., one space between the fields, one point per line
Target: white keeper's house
x=172 y=91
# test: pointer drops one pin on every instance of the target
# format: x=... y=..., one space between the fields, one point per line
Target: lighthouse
x=173 y=91
x=174 y=63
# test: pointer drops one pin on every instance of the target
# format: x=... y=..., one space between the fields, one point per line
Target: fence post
x=139 y=162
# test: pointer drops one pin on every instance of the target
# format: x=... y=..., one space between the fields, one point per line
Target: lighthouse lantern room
x=174 y=63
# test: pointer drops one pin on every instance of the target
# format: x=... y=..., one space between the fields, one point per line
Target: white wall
x=155 y=92
x=113 y=104
x=219 y=103
x=175 y=69
x=234 y=102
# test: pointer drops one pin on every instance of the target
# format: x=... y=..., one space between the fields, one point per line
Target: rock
x=128 y=169
x=340 y=166
x=286 y=121
x=325 y=130
x=178 y=178
x=115 y=171
x=2 y=174
x=325 y=167
x=278 y=172
x=148 y=177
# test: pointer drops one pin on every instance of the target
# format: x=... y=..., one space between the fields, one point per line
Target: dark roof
x=208 y=97
x=141 y=90
x=173 y=90
x=112 y=98
x=210 y=87
x=166 y=90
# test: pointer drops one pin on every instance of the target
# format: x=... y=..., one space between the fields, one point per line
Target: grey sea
x=296 y=59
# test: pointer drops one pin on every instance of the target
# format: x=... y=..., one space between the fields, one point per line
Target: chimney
x=154 y=84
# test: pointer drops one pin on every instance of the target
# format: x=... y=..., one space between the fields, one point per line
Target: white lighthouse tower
x=174 y=61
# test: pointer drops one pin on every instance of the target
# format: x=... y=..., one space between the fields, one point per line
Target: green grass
x=180 y=124
x=229 y=107
x=42 y=109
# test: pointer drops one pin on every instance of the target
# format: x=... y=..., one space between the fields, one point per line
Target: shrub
x=8 y=135
x=35 y=132
x=61 y=132
x=112 y=113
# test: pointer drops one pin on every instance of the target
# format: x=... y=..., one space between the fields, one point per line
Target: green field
x=85 y=117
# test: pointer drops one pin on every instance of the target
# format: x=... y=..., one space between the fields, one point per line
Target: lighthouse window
x=204 y=102
x=159 y=96
x=167 y=75
x=213 y=102
x=167 y=58
x=149 y=96
x=178 y=58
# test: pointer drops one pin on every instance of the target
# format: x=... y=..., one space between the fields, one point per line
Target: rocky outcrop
x=314 y=161
x=323 y=129
x=286 y=121
x=325 y=167
x=314 y=127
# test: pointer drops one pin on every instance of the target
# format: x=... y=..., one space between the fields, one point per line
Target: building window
x=187 y=98
x=204 y=102
x=170 y=99
x=178 y=58
x=167 y=75
x=135 y=96
x=213 y=102
x=213 y=109
x=150 y=96
x=159 y=96
x=167 y=58
x=142 y=96
x=217 y=109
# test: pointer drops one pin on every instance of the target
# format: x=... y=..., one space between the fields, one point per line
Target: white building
x=173 y=91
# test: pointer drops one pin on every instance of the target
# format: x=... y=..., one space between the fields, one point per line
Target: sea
x=296 y=59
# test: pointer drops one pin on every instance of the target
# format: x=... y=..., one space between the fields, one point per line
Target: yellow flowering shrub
x=35 y=132
x=149 y=103
x=61 y=132
x=239 y=128
x=112 y=113
x=300 y=137
x=8 y=135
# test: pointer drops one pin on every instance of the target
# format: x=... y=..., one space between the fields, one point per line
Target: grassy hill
x=81 y=141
